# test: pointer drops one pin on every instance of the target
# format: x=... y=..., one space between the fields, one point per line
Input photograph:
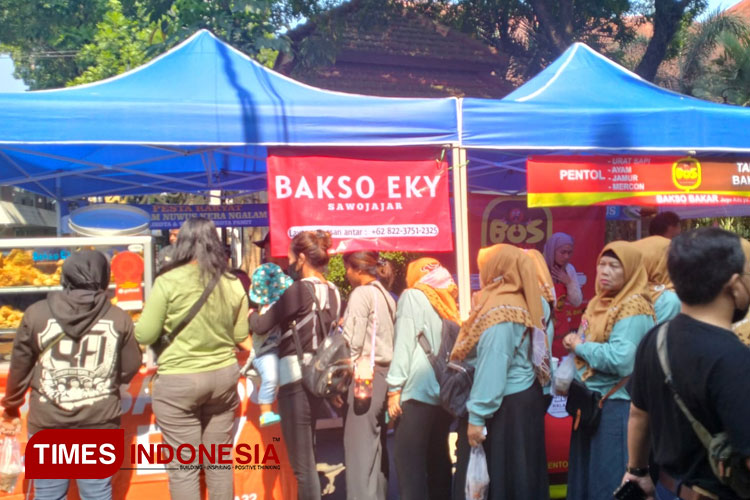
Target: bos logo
x=686 y=174
x=509 y=220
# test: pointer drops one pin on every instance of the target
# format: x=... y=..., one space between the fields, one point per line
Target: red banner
x=636 y=180
x=367 y=202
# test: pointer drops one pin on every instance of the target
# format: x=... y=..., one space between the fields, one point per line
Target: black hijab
x=83 y=300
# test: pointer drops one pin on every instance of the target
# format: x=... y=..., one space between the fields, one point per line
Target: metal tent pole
x=461 y=212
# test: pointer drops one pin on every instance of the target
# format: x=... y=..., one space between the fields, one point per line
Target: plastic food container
x=109 y=219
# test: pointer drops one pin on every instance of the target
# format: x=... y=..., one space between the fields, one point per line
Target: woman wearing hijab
x=654 y=251
x=506 y=397
x=104 y=354
x=547 y=289
x=615 y=321
x=557 y=252
x=421 y=441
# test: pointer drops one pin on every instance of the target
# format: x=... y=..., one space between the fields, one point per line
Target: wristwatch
x=638 y=471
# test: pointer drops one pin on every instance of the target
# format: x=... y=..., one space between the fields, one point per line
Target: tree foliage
x=59 y=42
x=534 y=32
x=119 y=44
x=44 y=37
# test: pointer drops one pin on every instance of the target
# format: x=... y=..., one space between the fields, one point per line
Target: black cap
x=262 y=243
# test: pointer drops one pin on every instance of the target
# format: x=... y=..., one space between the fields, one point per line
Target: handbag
x=328 y=370
x=727 y=465
x=585 y=405
x=165 y=341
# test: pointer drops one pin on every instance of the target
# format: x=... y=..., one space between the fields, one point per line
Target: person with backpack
x=421 y=449
x=309 y=306
x=689 y=382
x=202 y=309
x=74 y=338
x=368 y=325
x=506 y=406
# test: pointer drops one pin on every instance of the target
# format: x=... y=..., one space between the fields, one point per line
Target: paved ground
x=330 y=453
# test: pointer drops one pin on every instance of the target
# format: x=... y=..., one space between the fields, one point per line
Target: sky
x=9 y=84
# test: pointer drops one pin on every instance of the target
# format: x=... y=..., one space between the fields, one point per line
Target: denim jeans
x=598 y=459
x=88 y=489
x=298 y=410
x=268 y=368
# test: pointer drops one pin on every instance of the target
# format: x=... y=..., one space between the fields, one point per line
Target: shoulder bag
x=165 y=341
x=728 y=466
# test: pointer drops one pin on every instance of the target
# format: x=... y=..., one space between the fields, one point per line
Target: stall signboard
x=366 y=202
x=235 y=215
x=636 y=180
x=171 y=216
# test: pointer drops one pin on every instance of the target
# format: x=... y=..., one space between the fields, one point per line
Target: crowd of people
x=628 y=427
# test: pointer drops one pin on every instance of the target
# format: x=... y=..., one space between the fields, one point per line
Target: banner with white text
x=637 y=180
x=367 y=201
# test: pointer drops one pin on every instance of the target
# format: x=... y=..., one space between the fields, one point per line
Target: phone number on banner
x=400 y=230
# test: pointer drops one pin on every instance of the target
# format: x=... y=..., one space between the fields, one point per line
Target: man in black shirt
x=710 y=368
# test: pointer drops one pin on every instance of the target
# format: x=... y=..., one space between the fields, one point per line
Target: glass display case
x=31 y=267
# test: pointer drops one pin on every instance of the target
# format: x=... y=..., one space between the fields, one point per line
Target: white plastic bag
x=564 y=375
x=10 y=464
x=477 y=477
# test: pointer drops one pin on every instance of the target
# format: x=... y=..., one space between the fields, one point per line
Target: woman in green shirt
x=614 y=323
x=195 y=390
x=506 y=398
x=421 y=453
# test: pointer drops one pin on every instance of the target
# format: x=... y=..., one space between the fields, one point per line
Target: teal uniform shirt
x=667 y=306
x=614 y=359
x=410 y=370
x=502 y=368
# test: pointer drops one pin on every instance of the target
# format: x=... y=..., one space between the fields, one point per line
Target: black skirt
x=515 y=449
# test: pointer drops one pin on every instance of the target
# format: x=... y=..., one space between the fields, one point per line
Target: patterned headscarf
x=554 y=242
x=269 y=283
x=511 y=293
x=654 y=250
x=543 y=276
x=633 y=299
x=432 y=279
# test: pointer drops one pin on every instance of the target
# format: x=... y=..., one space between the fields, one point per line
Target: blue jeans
x=88 y=489
x=598 y=459
x=268 y=367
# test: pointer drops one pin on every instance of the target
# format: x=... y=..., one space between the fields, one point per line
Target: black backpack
x=329 y=371
x=454 y=377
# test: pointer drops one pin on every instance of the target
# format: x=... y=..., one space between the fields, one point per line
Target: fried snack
x=10 y=317
x=17 y=269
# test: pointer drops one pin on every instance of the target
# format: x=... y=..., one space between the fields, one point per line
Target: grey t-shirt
x=371 y=310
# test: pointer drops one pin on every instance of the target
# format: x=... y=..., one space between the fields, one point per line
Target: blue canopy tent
x=196 y=118
x=584 y=103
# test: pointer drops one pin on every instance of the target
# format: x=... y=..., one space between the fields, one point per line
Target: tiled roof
x=741 y=9
x=409 y=56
